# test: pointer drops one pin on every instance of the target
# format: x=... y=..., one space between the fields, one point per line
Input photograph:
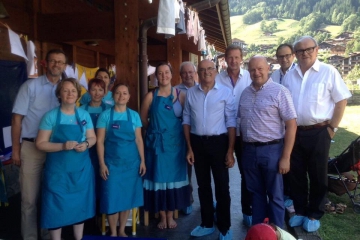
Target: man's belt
x=257 y=144
x=29 y=139
x=318 y=125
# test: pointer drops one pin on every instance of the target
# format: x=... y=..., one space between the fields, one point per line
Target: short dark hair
x=285 y=45
x=96 y=82
x=55 y=51
x=233 y=47
x=102 y=70
x=163 y=64
x=61 y=84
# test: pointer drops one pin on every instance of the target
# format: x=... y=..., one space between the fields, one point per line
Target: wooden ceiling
x=83 y=20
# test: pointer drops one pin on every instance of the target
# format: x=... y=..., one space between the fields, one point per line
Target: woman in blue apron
x=121 y=158
x=104 y=75
x=96 y=106
x=68 y=191
x=166 y=185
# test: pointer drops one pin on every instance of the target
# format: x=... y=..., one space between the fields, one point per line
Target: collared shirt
x=278 y=76
x=211 y=113
x=242 y=82
x=264 y=112
x=316 y=92
x=184 y=88
x=34 y=99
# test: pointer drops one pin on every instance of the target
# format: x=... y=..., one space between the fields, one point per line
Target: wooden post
x=174 y=56
x=126 y=47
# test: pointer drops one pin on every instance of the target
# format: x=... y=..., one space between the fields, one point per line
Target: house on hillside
x=337 y=49
x=239 y=42
x=335 y=60
x=345 y=35
x=349 y=63
x=325 y=46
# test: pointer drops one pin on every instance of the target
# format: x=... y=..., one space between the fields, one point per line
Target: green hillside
x=286 y=27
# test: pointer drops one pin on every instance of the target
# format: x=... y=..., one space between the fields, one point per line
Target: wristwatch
x=87 y=144
x=334 y=129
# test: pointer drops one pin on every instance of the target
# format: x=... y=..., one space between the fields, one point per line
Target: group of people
x=279 y=128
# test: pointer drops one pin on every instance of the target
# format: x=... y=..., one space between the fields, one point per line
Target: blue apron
x=68 y=191
x=93 y=152
x=123 y=188
x=165 y=143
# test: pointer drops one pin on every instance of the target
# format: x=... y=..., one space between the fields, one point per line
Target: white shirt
x=316 y=92
x=209 y=114
x=242 y=82
x=278 y=75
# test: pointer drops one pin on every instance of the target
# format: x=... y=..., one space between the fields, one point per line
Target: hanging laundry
x=70 y=71
x=177 y=11
x=32 y=68
x=166 y=18
x=196 y=28
x=190 y=24
x=15 y=44
x=201 y=42
x=180 y=26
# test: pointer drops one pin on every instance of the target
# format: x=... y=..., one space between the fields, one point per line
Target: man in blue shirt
x=209 y=121
x=34 y=99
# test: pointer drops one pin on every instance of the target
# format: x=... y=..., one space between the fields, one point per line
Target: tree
x=273 y=26
x=354 y=74
x=263 y=26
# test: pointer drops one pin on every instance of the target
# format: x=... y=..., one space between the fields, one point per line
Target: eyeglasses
x=209 y=69
x=307 y=50
x=286 y=56
x=54 y=62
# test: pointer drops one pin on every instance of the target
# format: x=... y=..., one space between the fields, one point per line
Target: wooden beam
x=126 y=47
x=66 y=27
x=174 y=56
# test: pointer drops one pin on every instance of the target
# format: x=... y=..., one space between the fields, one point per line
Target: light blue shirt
x=108 y=99
x=209 y=114
x=104 y=119
x=242 y=82
x=278 y=76
x=184 y=88
x=95 y=109
x=48 y=122
x=34 y=99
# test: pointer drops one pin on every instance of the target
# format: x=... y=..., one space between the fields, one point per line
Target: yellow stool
x=146 y=216
x=134 y=220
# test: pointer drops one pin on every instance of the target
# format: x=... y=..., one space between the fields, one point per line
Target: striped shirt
x=264 y=112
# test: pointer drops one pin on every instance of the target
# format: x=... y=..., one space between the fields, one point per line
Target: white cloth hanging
x=166 y=17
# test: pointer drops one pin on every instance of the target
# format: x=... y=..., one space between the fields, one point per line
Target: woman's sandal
x=340 y=208
x=330 y=207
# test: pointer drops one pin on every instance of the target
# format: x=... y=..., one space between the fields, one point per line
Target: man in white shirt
x=285 y=56
x=237 y=79
x=188 y=76
x=320 y=97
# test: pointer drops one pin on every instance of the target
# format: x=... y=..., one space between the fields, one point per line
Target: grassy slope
x=253 y=34
x=343 y=226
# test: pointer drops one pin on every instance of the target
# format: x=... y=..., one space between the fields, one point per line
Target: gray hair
x=303 y=38
x=233 y=47
x=185 y=63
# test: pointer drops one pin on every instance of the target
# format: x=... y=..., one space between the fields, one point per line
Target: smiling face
x=68 y=93
x=285 y=58
x=105 y=77
x=306 y=52
x=97 y=93
x=164 y=75
x=121 y=95
x=56 y=65
x=207 y=72
x=188 y=75
x=234 y=60
x=259 y=71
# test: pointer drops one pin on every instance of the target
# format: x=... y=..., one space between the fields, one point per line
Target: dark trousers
x=209 y=156
x=246 y=198
x=310 y=158
x=261 y=169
